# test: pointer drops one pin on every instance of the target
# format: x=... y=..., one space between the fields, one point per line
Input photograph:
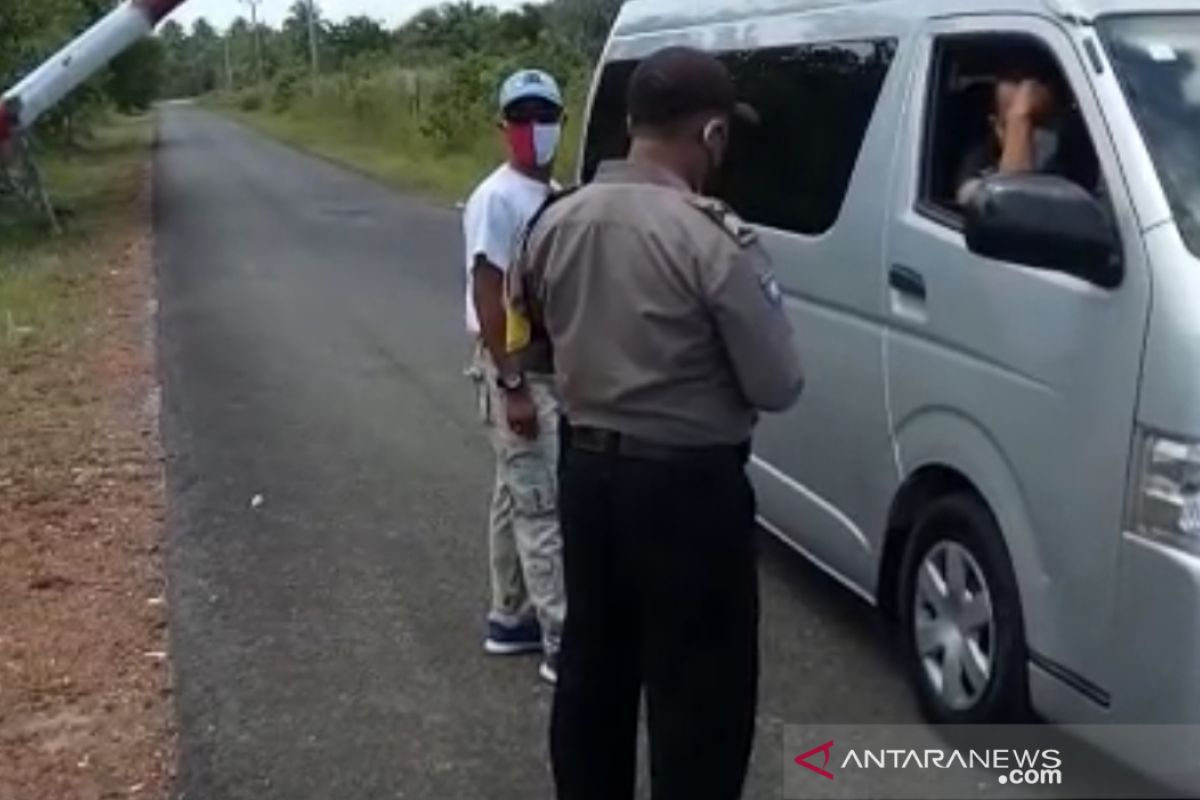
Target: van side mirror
x=1044 y=222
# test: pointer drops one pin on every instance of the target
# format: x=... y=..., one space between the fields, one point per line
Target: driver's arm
x=1018 y=115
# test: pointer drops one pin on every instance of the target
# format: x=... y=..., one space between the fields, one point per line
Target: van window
x=973 y=78
x=608 y=133
x=791 y=172
x=1157 y=59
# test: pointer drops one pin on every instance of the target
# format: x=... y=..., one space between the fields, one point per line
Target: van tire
x=968 y=577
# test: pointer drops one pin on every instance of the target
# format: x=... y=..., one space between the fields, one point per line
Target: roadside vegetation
x=85 y=148
x=84 y=701
x=414 y=106
x=46 y=280
x=87 y=122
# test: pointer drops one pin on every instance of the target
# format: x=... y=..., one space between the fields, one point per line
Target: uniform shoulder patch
x=724 y=216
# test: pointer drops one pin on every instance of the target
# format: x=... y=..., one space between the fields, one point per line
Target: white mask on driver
x=1045 y=148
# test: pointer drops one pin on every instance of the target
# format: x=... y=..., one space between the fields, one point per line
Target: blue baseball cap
x=530 y=84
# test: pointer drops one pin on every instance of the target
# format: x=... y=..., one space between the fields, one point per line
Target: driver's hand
x=1033 y=101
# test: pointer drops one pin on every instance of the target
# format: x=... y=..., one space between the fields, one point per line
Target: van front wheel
x=964 y=639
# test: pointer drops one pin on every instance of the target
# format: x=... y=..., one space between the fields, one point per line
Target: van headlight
x=1167 y=497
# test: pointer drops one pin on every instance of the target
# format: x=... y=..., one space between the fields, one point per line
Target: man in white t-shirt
x=528 y=598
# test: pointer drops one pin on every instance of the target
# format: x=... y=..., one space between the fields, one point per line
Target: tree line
x=466 y=40
x=565 y=33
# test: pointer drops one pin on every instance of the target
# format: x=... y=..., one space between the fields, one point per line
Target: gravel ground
x=84 y=694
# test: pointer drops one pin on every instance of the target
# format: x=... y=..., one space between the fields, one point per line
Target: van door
x=808 y=177
x=1024 y=382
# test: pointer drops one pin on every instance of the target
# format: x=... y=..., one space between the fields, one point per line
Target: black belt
x=612 y=443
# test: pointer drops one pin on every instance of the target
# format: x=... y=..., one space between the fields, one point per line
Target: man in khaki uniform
x=667 y=334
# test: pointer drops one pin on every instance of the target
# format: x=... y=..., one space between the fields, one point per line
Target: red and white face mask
x=533 y=144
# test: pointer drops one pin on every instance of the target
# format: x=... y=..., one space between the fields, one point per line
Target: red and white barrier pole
x=8 y=121
x=83 y=57
x=7 y=125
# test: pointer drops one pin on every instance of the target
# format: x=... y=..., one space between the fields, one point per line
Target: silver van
x=1000 y=439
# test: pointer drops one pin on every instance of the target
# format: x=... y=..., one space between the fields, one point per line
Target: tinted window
x=792 y=171
x=608 y=136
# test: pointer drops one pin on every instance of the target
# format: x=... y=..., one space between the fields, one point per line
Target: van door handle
x=907 y=281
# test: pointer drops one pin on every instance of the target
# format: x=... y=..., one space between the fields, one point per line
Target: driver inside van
x=1025 y=124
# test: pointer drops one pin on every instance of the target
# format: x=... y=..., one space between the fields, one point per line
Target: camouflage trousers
x=524 y=537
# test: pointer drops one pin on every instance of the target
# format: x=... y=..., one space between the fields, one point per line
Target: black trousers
x=662 y=597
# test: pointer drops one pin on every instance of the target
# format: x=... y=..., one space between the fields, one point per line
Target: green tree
x=523 y=27
x=175 y=60
x=193 y=62
x=204 y=58
x=356 y=39
x=30 y=32
x=135 y=78
x=455 y=30
x=239 y=50
x=585 y=23
x=296 y=29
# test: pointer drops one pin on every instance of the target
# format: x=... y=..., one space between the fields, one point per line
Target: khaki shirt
x=660 y=310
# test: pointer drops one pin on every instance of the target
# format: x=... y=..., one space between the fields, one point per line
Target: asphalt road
x=327 y=644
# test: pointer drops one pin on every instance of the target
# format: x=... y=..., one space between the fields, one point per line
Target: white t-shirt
x=495 y=220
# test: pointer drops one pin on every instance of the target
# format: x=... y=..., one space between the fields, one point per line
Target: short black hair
x=677 y=83
x=1028 y=62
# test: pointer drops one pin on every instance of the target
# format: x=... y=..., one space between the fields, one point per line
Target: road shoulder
x=84 y=686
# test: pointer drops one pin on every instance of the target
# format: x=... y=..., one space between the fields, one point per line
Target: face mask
x=1045 y=148
x=545 y=142
x=533 y=144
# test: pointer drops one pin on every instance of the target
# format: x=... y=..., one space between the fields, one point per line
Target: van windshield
x=1158 y=61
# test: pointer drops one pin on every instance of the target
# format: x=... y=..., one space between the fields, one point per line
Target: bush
x=136 y=76
x=250 y=100
x=283 y=90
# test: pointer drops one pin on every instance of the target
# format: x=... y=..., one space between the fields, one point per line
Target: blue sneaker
x=511 y=640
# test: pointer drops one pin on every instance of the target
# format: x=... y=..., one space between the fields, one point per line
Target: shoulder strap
x=553 y=199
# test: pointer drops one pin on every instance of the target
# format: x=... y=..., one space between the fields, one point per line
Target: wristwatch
x=511 y=381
